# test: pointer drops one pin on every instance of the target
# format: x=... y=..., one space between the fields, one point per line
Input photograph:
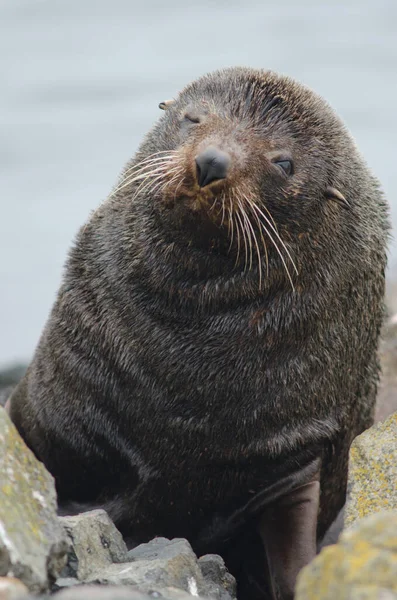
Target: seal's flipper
x=288 y=531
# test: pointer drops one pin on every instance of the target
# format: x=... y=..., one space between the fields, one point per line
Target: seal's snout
x=211 y=165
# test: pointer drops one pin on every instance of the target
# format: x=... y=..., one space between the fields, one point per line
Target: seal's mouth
x=206 y=186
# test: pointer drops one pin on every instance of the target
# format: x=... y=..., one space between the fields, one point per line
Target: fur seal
x=212 y=351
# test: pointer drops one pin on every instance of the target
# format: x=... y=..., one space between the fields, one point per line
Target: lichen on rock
x=32 y=542
x=362 y=566
x=373 y=472
x=95 y=543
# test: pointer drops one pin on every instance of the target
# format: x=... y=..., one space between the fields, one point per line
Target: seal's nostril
x=211 y=165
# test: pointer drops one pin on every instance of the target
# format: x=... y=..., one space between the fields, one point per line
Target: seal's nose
x=211 y=165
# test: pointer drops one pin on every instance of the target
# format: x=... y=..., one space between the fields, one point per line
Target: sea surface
x=80 y=85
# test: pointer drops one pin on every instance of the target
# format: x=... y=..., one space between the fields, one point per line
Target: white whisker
x=256 y=207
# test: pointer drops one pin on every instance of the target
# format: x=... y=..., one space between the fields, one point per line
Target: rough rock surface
x=218 y=578
x=373 y=472
x=95 y=592
x=387 y=393
x=162 y=564
x=95 y=544
x=362 y=566
x=32 y=542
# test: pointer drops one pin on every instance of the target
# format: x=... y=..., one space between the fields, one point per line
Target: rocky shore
x=84 y=556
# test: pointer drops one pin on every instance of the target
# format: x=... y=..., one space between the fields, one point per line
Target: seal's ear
x=166 y=104
x=334 y=194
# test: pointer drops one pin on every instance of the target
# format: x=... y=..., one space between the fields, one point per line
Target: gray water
x=80 y=84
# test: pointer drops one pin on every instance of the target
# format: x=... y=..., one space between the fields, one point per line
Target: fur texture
x=168 y=386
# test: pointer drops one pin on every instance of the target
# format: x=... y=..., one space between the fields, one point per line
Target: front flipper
x=288 y=531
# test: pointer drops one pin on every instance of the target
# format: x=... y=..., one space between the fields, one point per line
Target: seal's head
x=243 y=162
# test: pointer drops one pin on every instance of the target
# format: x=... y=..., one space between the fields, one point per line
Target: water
x=80 y=85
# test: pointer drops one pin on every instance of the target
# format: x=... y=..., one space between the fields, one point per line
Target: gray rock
x=372 y=483
x=160 y=563
x=220 y=583
x=33 y=545
x=96 y=592
x=65 y=582
x=361 y=566
x=152 y=549
x=12 y=589
x=95 y=544
x=386 y=403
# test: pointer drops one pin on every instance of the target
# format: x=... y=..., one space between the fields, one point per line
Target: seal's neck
x=205 y=278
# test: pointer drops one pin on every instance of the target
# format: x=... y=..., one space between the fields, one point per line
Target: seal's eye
x=191 y=116
x=286 y=166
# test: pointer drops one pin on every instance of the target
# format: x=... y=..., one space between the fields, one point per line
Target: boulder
x=165 y=567
x=95 y=592
x=387 y=393
x=362 y=566
x=95 y=543
x=220 y=583
x=157 y=564
x=33 y=545
x=372 y=483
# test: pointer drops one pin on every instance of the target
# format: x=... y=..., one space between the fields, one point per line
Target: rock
x=372 y=483
x=32 y=542
x=153 y=549
x=362 y=566
x=12 y=589
x=64 y=582
x=160 y=563
x=386 y=403
x=218 y=578
x=95 y=544
x=96 y=592
x=164 y=568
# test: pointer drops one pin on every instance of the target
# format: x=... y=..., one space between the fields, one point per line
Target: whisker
x=238 y=243
x=247 y=228
x=173 y=179
x=223 y=209
x=141 y=169
x=213 y=204
x=278 y=251
x=256 y=207
x=245 y=240
x=157 y=186
x=271 y=217
x=257 y=251
x=145 y=185
x=152 y=158
x=178 y=186
x=143 y=176
x=230 y=228
x=262 y=238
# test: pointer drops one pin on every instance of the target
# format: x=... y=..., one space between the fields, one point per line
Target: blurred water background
x=80 y=84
